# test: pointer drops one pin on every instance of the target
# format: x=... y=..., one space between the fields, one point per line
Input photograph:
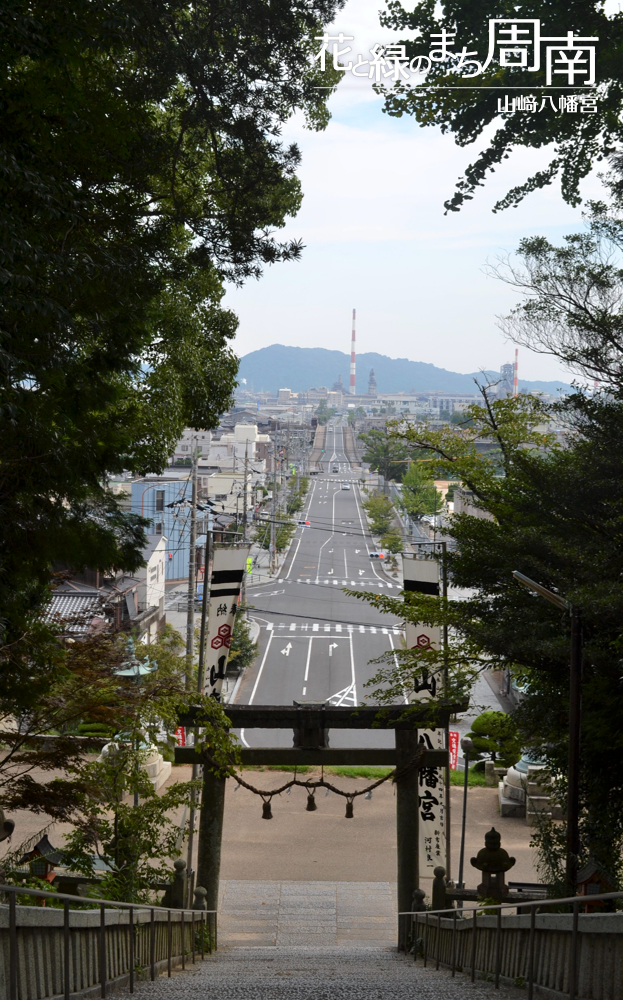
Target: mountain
x=299 y=368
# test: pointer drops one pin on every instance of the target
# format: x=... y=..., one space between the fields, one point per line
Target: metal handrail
x=575 y=901
x=13 y=891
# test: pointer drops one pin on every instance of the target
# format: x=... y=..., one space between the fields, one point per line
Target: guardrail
x=53 y=951
x=579 y=956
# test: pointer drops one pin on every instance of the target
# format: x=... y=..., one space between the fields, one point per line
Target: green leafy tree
x=324 y=413
x=418 y=494
x=392 y=542
x=243 y=650
x=578 y=140
x=384 y=453
x=572 y=295
x=496 y=737
x=112 y=335
x=380 y=511
x=554 y=515
x=136 y=842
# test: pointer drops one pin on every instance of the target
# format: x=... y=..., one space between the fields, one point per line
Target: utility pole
x=205 y=607
x=192 y=574
x=273 y=526
x=243 y=589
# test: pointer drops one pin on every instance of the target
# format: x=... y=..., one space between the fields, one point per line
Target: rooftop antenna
x=352 y=358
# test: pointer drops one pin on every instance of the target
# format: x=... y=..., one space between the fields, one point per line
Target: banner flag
x=228 y=569
x=422 y=576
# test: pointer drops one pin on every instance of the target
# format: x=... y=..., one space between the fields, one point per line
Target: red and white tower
x=515 y=374
x=352 y=358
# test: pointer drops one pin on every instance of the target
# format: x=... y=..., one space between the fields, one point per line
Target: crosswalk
x=332 y=627
x=344 y=583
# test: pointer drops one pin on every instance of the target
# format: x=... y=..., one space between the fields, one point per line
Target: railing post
x=202 y=936
x=573 y=958
x=66 y=970
x=437 y=940
x=531 y=941
x=103 y=948
x=192 y=933
x=12 y=947
x=169 y=943
x=183 y=941
x=474 y=932
x=425 y=940
x=498 y=948
x=454 y=933
x=152 y=945
x=132 y=956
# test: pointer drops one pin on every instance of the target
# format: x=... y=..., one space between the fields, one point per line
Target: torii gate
x=311 y=723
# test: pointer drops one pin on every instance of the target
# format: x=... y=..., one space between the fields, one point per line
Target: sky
x=376 y=238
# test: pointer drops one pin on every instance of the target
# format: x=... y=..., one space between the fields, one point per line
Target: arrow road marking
x=286 y=649
x=332 y=646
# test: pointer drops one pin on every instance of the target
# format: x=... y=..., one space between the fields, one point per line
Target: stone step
x=510 y=807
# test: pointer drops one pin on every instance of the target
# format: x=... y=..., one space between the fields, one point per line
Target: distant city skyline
x=376 y=239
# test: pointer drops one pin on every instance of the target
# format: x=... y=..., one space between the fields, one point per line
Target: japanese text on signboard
x=568 y=60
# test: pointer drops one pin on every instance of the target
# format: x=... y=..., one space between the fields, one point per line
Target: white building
x=151 y=577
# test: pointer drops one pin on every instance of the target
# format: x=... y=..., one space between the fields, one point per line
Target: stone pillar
x=210 y=835
x=406 y=830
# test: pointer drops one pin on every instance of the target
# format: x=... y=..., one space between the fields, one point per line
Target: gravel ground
x=316 y=974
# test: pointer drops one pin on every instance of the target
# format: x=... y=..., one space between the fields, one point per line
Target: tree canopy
x=556 y=515
x=418 y=493
x=384 y=453
x=141 y=166
x=449 y=99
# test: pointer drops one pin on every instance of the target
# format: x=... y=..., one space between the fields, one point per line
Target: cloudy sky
x=376 y=238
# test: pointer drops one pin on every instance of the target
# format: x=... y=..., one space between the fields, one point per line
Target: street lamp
x=467 y=745
x=575 y=715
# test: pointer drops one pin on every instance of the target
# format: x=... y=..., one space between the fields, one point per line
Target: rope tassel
x=311 y=802
x=349 y=808
x=267 y=812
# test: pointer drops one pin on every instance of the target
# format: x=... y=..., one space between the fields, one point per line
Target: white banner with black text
x=422 y=576
x=225 y=582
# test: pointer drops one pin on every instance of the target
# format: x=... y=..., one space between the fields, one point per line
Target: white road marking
x=308 y=659
x=298 y=542
x=259 y=673
x=332 y=646
x=286 y=649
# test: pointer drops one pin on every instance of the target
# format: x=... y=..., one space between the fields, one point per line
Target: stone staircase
x=312 y=973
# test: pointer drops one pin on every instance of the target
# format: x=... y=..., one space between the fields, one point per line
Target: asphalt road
x=315 y=642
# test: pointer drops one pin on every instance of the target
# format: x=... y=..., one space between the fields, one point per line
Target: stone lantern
x=493 y=861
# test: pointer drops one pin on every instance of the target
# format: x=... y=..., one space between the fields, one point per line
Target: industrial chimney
x=352 y=359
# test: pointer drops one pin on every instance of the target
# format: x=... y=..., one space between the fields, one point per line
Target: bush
x=496 y=738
